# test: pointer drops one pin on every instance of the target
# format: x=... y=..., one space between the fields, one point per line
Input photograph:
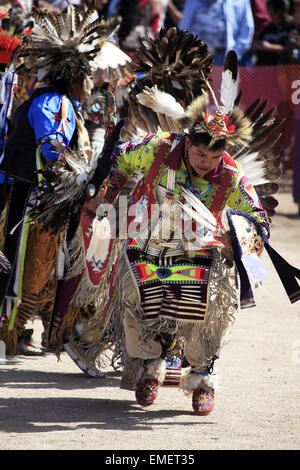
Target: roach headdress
x=227 y=122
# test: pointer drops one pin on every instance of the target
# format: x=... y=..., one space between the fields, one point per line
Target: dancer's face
x=201 y=159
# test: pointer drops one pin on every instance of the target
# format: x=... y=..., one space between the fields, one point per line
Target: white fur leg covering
x=193 y=381
x=156 y=370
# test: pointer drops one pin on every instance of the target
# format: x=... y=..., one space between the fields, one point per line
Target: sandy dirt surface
x=51 y=405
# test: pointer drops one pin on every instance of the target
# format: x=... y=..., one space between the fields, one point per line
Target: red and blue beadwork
x=203 y=402
x=147 y=391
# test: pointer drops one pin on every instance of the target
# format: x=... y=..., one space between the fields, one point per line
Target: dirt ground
x=51 y=405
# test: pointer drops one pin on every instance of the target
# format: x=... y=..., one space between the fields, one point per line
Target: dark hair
x=205 y=139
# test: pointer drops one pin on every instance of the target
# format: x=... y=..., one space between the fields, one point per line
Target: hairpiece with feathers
x=228 y=122
x=64 y=46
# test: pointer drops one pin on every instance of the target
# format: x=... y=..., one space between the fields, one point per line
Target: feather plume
x=8 y=45
x=111 y=61
x=229 y=84
x=160 y=102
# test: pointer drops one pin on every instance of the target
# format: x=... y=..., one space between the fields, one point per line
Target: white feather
x=99 y=244
x=110 y=56
x=160 y=102
x=229 y=90
x=197 y=217
x=255 y=171
x=200 y=213
x=26 y=5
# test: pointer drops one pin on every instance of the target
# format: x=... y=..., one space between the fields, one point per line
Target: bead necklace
x=204 y=193
x=188 y=178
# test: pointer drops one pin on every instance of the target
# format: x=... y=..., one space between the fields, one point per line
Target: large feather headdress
x=64 y=46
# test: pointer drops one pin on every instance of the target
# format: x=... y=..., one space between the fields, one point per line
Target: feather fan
x=176 y=62
x=174 y=67
x=260 y=159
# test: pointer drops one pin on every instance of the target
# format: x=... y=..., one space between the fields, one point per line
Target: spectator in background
x=261 y=17
x=102 y=7
x=271 y=44
x=261 y=20
x=294 y=54
x=222 y=24
x=174 y=13
x=141 y=18
x=113 y=7
x=293 y=44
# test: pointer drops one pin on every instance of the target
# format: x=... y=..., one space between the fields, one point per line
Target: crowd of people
x=263 y=32
x=108 y=100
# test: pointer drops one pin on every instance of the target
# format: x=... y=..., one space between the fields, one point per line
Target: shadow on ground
x=36 y=415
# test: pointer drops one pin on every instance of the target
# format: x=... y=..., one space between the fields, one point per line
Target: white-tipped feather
x=160 y=102
x=255 y=171
x=48 y=31
x=197 y=217
x=229 y=91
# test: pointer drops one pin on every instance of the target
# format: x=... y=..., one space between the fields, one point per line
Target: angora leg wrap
x=156 y=370
x=193 y=381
